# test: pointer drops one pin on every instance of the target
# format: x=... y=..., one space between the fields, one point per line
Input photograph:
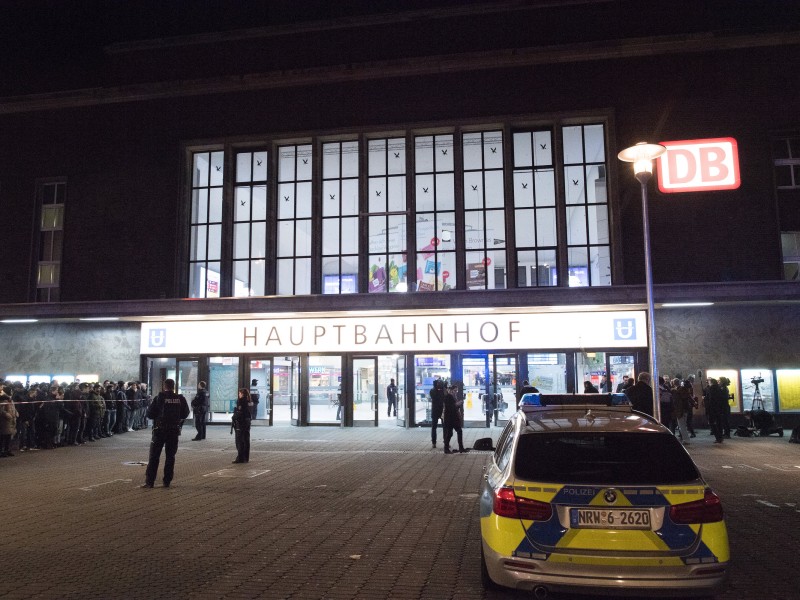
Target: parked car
x=597 y=499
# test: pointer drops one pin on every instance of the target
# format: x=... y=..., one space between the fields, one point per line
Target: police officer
x=200 y=406
x=168 y=411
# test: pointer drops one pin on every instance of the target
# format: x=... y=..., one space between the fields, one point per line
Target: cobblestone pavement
x=321 y=513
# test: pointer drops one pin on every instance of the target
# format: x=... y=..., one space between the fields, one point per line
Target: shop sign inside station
x=699 y=165
x=407 y=333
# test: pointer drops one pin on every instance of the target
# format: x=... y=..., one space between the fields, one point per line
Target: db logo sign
x=699 y=165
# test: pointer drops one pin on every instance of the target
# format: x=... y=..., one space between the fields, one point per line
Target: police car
x=597 y=498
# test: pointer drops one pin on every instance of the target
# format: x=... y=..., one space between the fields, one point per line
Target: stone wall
x=110 y=351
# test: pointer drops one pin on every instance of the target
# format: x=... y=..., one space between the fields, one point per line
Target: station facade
x=390 y=200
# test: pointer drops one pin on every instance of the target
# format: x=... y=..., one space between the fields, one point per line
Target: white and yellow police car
x=597 y=499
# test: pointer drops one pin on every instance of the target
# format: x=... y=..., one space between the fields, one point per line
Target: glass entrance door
x=285 y=387
x=365 y=391
x=620 y=365
x=260 y=382
x=504 y=385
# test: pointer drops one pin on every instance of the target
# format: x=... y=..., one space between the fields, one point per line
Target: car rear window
x=624 y=458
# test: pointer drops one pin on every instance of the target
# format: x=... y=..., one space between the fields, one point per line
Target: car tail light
x=707 y=510
x=507 y=504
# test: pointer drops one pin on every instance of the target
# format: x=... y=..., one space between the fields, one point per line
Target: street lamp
x=642 y=156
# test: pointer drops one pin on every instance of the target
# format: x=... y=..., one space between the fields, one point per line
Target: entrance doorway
x=371 y=378
x=490 y=385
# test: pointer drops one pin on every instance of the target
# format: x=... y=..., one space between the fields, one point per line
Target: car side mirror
x=483 y=444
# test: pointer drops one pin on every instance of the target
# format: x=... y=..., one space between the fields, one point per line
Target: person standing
x=437 y=394
x=681 y=406
x=716 y=399
x=8 y=421
x=391 y=398
x=254 y=398
x=640 y=394
x=724 y=384
x=200 y=406
x=452 y=419
x=489 y=407
x=240 y=422
x=168 y=411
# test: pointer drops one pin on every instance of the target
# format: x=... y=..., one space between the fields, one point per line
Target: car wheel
x=486 y=579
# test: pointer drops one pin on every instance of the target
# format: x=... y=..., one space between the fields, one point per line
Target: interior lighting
x=682 y=304
x=19 y=321
x=99 y=318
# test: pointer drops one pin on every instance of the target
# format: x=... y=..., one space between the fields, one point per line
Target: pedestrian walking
x=168 y=411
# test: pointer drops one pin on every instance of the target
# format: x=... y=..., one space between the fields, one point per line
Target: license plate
x=605 y=518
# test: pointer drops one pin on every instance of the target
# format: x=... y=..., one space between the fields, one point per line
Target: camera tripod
x=758 y=401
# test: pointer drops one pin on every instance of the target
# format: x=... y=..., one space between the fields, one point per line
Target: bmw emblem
x=610 y=496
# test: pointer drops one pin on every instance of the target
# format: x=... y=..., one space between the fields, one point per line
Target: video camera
x=757 y=379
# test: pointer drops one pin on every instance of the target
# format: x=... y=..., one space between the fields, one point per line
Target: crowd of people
x=678 y=399
x=44 y=416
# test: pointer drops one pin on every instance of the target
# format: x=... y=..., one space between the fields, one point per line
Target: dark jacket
x=641 y=397
x=242 y=418
x=168 y=410
x=452 y=411
x=201 y=400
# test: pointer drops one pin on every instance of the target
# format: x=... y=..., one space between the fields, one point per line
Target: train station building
x=323 y=200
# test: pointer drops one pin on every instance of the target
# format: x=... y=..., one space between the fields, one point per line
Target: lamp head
x=642 y=155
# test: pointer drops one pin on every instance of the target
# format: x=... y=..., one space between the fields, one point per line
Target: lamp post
x=642 y=156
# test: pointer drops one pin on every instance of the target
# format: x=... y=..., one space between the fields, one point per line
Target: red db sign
x=699 y=165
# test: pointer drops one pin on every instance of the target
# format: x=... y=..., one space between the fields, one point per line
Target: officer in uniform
x=168 y=410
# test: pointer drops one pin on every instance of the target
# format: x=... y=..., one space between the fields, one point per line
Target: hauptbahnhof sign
x=389 y=334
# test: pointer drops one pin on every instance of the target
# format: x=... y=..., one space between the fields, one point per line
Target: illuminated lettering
x=412 y=333
x=494 y=327
x=431 y=330
x=457 y=332
x=319 y=331
x=338 y=329
x=291 y=336
x=712 y=165
x=253 y=336
x=383 y=335
x=512 y=330
x=687 y=165
x=359 y=335
x=273 y=337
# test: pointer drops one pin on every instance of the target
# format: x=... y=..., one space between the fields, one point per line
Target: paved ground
x=320 y=513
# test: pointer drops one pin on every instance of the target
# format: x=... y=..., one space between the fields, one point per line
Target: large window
x=790 y=246
x=588 y=243
x=294 y=220
x=205 y=252
x=535 y=209
x=340 y=218
x=51 y=239
x=388 y=270
x=250 y=231
x=484 y=210
x=787 y=163
x=435 y=214
x=425 y=211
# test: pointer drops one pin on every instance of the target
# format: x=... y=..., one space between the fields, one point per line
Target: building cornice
x=405 y=67
x=533 y=300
